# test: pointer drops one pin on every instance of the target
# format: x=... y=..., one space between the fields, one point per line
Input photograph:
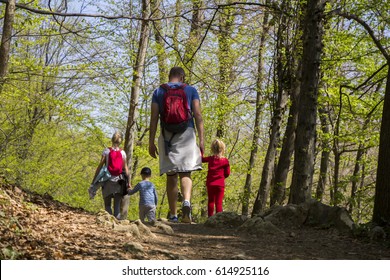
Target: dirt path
x=35 y=227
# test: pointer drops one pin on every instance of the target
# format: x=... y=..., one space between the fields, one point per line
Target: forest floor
x=38 y=227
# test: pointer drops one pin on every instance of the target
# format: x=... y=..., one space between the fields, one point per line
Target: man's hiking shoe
x=173 y=219
x=186 y=210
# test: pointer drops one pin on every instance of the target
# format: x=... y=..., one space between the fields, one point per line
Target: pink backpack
x=115 y=162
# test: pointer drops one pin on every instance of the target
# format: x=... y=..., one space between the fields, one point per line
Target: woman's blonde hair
x=218 y=147
x=117 y=138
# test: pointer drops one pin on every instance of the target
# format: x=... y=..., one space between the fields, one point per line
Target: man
x=179 y=154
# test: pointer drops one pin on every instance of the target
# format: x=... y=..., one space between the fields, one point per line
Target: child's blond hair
x=117 y=138
x=218 y=148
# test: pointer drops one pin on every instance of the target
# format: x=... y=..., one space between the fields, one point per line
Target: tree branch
x=272 y=6
x=55 y=13
x=367 y=28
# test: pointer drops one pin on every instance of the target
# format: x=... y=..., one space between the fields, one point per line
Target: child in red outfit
x=219 y=169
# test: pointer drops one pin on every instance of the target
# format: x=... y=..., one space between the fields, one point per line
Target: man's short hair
x=177 y=72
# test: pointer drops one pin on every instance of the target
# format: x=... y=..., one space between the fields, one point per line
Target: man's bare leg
x=172 y=191
x=186 y=185
x=186 y=189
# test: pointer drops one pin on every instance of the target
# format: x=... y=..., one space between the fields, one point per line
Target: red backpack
x=115 y=162
x=176 y=113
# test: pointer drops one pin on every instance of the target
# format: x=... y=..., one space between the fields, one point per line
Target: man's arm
x=153 y=129
x=198 y=123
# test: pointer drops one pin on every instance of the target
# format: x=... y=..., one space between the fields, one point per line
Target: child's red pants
x=215 y=195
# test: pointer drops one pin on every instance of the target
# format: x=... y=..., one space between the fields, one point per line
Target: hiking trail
x=38 y=227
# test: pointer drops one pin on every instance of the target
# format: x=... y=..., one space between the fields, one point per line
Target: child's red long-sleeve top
x=219 y=169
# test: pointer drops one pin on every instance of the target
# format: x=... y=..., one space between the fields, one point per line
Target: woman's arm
x=127 y=171
x=101 y=163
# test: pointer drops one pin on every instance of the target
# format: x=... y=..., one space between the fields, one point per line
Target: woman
x=115 y=160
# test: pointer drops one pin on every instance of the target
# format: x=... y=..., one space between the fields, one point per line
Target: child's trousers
x=215 y=197
x=147 y=211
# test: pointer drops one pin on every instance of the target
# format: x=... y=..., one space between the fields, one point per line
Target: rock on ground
x=326 y=216
x=134 y=247
x=165 y=228
x=225 y=219
x=144 y=230
x=259 y=227
x=289 y=216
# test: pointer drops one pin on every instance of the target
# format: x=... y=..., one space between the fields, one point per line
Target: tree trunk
x=359 y=196
x=176 y=28
x=324 y=155
x=307 y=116
x=160 y=44
x=5 y=45
x=291 y=78
x=381 y=213
x=138 y=71
x=225 y=64
x=355 y=176
x=334 y=194
x=281 y=101
x=286 y=153
x=269 y=161
x=194 y=37
x=259 y=107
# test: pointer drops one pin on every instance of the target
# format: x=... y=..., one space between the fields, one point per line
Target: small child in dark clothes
x=148 y=196
x=219 y=169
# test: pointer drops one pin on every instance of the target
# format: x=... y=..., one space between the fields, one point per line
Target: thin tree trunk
x=225 y=64
x=324 y=155
x=5 y=46
x=138 y=71
x=176 y=28
x=306 y=128
x=355 y=176
x=286 y=153
x=194 y=37
x=160 y=44
x=259 y=107
x=335 y=196
x=269 y=161
x=359 y=197
x=281 y=102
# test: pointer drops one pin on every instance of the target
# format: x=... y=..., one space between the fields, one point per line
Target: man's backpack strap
x=167 y=143
x=167 y=87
